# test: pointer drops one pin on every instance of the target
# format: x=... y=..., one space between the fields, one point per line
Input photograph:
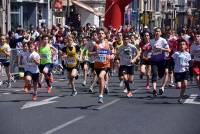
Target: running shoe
x=9 y=85
x=34 y=97
x=121 y=83
x=74 y=93
x=100 y=99
x=1 y=82
x=49 y=89
x=147 y=87
x=13 y=79
x=161 y=91
x=129 y=94
x=154 y=93
x=171 y=85
x=84 y=83
x=180 y=101
x=125 y=90
x=91 y=90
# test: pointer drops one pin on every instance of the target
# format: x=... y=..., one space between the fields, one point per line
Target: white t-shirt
x=181 y=60
x=157 y=53
x=24 y=56
x=195 y=51
x=30 y=64
x=126 y=54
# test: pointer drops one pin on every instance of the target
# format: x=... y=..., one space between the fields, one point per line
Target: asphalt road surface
x=60 y=113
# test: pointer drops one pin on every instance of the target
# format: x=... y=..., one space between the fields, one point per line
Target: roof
x=86 y=7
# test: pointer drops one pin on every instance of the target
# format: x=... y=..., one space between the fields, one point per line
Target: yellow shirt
x=4 y=48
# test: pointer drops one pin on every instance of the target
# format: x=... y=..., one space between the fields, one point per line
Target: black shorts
x=83 y=63
x=123 y=69
x=145 y=62
x=91 y=65
x=5 y=62
x=70 y=69
x=48 y=65
x=98 y=70
x=169 y=64
x=34 y=76
x=179 y=77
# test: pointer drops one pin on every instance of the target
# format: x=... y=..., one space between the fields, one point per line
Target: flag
x=114 y=12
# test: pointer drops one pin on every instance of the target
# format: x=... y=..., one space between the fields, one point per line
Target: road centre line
x=64 y=125
x=108 y=104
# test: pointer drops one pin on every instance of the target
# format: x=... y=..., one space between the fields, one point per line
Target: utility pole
x=7 y=16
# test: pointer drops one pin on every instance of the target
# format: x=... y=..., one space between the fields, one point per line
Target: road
x=60 y=113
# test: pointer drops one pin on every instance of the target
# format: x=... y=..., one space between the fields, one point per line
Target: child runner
x=181 y=69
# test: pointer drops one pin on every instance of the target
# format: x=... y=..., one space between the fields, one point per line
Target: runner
x=195 y=52
x=5 y=59
x=116 y=45
x=23 y=61
x=181 y=69
x=91 y=45
x=159 y=47
x=145 y=67
x=84 y=59
x=102 y=62
x=70 y=54
x=31 y=69
x=128 y=55
x=46 y=66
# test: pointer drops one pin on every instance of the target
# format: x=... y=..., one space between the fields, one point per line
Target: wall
x=87 y=17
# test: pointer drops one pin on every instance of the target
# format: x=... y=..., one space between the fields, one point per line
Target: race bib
x=101 y=58
x=44 y=56
x=70 y=60
x=157 y=51
x=30 y=62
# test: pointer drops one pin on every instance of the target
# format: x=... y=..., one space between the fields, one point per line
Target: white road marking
x=6 y=93
x=136 y=91
x=19 y=90
x=191 y=99
x=64 y=125
x=108 y=104
x=39 y=103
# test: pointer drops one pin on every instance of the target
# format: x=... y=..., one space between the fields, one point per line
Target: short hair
x=181 y=40
x=44 y=36
x=157 y=28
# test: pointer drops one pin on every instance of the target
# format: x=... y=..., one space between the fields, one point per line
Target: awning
x=86 y=7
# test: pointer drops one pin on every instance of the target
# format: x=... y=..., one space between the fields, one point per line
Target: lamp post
x=145 y=3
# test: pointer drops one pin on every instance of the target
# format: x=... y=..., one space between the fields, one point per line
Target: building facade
x=4 y=16
x=29 y=12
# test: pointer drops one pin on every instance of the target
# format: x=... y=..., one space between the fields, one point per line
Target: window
x=157 y=5
x=15 y=7
x=1 y=3
x=15 y=20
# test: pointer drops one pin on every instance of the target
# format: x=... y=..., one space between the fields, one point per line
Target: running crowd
x=165 y=54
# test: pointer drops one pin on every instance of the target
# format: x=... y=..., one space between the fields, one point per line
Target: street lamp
x=145 y=3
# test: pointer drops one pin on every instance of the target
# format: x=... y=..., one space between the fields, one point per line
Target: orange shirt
x=102 y=59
